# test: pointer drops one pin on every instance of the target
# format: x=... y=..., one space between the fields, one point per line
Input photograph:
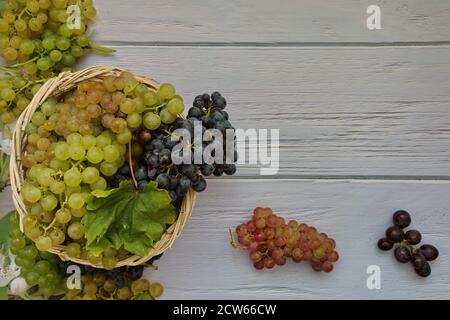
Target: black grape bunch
x=405 y=242
x=157 y=146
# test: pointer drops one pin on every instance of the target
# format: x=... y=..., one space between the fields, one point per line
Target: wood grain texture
x=202 y=264
x=265 y=21
x=340 y=111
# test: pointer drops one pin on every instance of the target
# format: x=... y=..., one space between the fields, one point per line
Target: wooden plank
x=340 y=111
x=265 y=21
x=202 y=264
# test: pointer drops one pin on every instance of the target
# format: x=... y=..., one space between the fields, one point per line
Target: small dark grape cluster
x=405 y=251
x=155 y=147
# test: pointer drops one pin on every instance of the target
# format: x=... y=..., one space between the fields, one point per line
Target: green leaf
x=3 y=293
x=4 y=232
x=99 y=49
x=128 y=218
x=4 y=170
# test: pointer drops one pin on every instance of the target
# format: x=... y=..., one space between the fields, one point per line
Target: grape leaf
x=4 y=232
x=3 y=293
x=128 y=218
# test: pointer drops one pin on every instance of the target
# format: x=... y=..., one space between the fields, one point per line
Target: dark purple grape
x=394 y=234
x=163 y=181
x=195 y=112
x=384 y=244
x=413 y=237
x=218 y=171
x=401 y=219
x=200 y=185
x=135 y=273
x=430 y=252
x=229 y=169
x=418 y=260
x=207 y=169
x=402 y=254
x=425 y=271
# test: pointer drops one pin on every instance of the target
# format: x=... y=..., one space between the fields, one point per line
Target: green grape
x=167 y=117
x=74 y=138
x=77 y=51
x=49 y=107
x=77 y=151
x=7 y=94
x=90 y=288
x=104 y=139
x=62 y=151
x=31 y=193
x=89 y=141
x=30 y=252
x=18 y=243
x=90 y=175
x=32 y=278
x=35 y=211
x=49 y=43
x=68 y=59
x=99 y=185
x=175 y=106
x=150 y=98
x=151 y=121
x=33 y=6
x=49 y=202
x=33 y=233
x=44 y=243
x=89 y=12
x=63 y=216
x=65 y=31
x=73 y=250
x=124 y=293
x=139 y=286
x=42 y=267
x=127 y=106
x=94 y=259
x=72 y=177
x=109 y=263
x=110 y=154
x=79 y=213
x=134 y=120
x=108 y=169
x=10 y=54
x=95 y=154
x=20 y=25
x=57 y=187
x=75 y=230
x=62 y=43
x=124 y=137
x=60 y=4
x=27 y=47
x=76 y=201
x=156 y=290
x=82 y=41
x=44 y=63
x=167 y=91
x=55 y=55
x=109 y=286
x=57 y=236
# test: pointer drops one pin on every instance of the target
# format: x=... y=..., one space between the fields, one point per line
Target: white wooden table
x=364 y=119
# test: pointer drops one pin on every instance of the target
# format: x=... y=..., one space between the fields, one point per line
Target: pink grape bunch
x=271 y=241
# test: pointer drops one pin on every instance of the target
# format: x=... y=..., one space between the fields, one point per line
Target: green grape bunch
x=38 y=39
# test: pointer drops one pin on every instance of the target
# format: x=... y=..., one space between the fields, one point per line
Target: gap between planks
x=276 y=44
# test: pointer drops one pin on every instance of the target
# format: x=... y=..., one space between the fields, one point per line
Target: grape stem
x=233 y=241
x=24 y=63
x=130 y=162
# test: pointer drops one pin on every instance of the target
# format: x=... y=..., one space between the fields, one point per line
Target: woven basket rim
x=53 y=87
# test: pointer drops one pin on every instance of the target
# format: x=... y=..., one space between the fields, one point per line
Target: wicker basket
x=53 y=87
